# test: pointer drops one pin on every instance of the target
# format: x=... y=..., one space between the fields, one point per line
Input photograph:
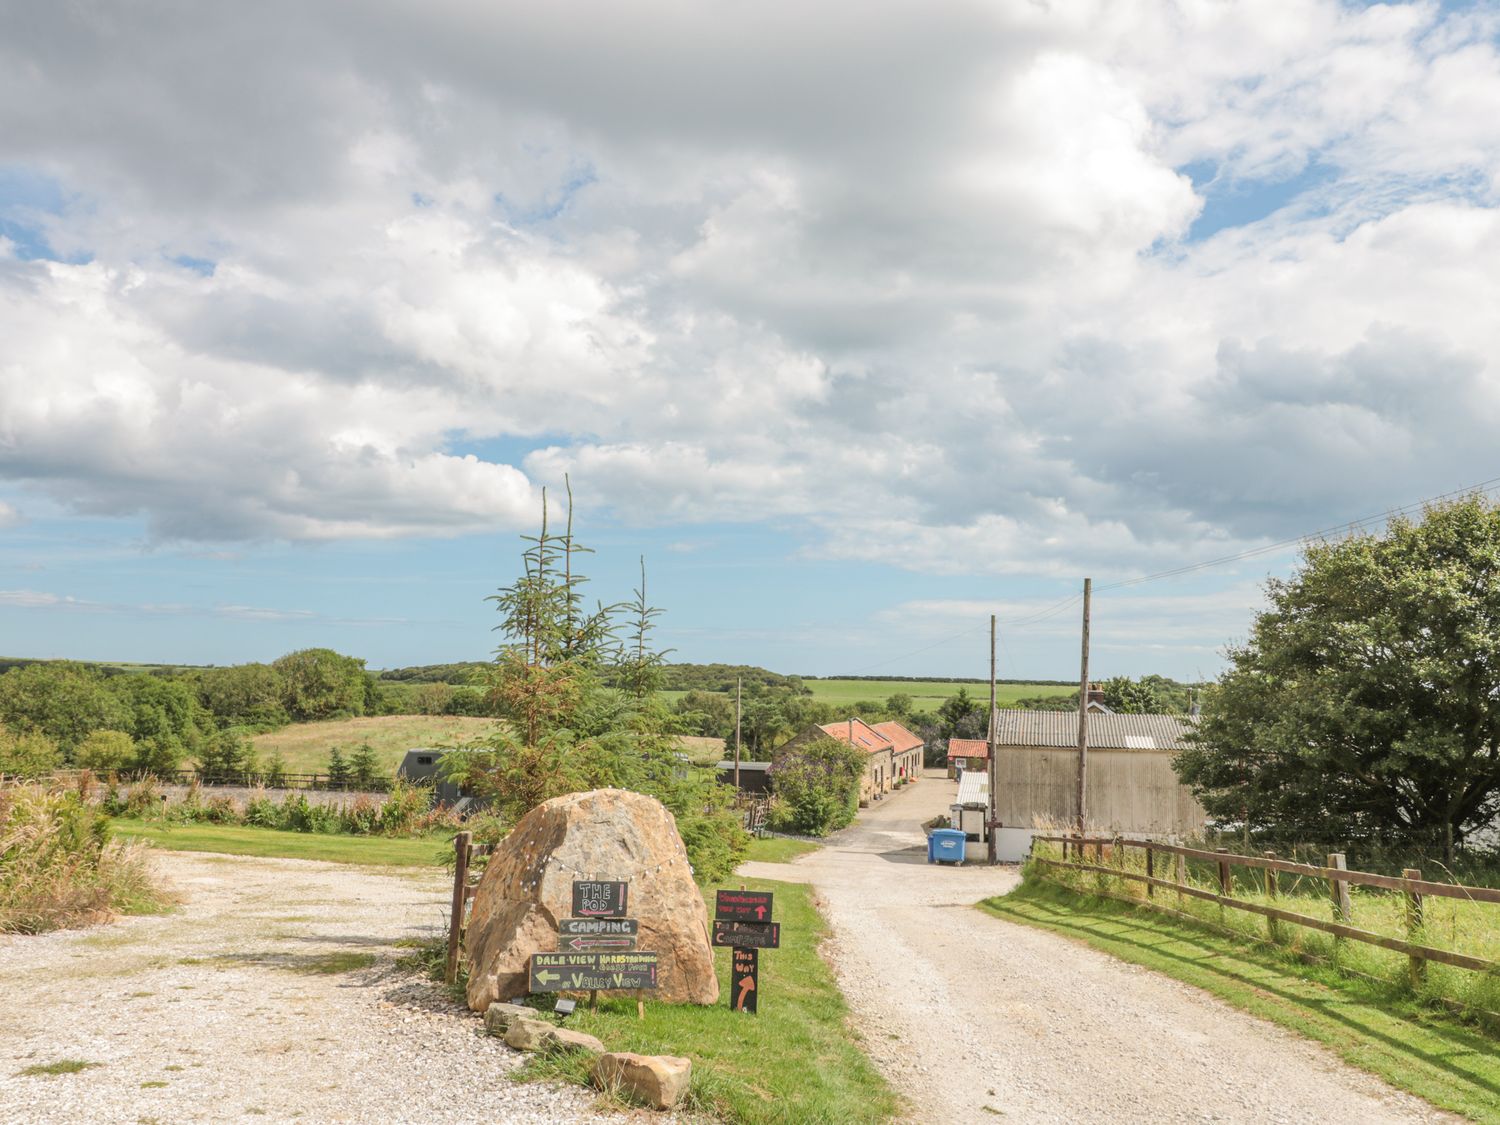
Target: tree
x=1129 y=697
x=899 y=705
x=225 y=756
x=61 y=700
x=1366 y=702
x=320 y=683
x=364 y=766
x=244 y=695
x=105 y=751
x=339 y=774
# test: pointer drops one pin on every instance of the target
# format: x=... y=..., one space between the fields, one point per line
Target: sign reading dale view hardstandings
x=604 y=972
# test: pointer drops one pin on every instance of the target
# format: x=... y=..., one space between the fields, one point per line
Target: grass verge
x=775 y=849
x=796 y=1060
x=1369 y=1024
x=234 y=839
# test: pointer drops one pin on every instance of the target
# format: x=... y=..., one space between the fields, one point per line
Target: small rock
x=566 y=1039
x=658 y=1080
x=528 y=1035
x=498 y=1017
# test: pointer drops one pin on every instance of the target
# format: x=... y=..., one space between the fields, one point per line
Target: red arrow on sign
x=747 y=986
x=760 y=913
x=584 y=944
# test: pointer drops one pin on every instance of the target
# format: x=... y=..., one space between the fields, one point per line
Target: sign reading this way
x=744 y=973
x=599 y=900
x=742 y=906
x=556 y=972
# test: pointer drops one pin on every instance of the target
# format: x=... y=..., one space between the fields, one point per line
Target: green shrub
x=361 y=817
x=261 y=812
x=817 y=787
x=143 y=799
x=105 y=751
x=28 y=755
x=406 y=805
x=221 y=809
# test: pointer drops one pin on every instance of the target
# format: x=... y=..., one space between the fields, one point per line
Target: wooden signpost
x=742 y=921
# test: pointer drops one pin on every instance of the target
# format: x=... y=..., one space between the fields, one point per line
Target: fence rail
x=237 y=780
x=1410 y=885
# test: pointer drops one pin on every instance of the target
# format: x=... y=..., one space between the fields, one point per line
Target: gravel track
x=974 y=1018
x=215 y=1003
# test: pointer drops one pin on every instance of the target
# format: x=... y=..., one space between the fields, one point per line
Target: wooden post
x=1179 y=876
x=460 y=887
x=1150 y=872
x=1339 y=891
x=1416 y=965
x=1083 y=713
x=1225 y=882
x=993 y=804
x=1271 y=931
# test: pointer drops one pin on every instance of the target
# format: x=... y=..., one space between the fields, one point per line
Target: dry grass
x=304 y=747
x=59 y=868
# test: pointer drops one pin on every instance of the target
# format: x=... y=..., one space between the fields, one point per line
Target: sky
x=857 y=322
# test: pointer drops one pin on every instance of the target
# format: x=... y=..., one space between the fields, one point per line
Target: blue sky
x=292 y=337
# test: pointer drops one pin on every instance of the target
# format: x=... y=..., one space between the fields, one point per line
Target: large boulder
x=606 y=835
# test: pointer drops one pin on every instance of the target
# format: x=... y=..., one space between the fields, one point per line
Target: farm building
x=1132 y=787
x=893 y=753
x=967 y=754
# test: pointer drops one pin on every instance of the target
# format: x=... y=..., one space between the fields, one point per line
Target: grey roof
x=973 y=789
x=1106 y=731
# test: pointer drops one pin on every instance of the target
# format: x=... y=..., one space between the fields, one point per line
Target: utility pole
x=737 y=681
x=1083 y=712
x=994 y=773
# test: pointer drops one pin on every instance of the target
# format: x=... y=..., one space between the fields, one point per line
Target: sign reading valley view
x=591 y=927
x=557 y=972
x=748 y=935
x=741 y=906
x=599 y=900
x=744 y=980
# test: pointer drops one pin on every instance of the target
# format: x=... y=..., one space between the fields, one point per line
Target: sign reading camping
x=742 y=906
x=748 y=935
x=595 y=943
x=598 y=927
x=558 y=972
x=599 y=900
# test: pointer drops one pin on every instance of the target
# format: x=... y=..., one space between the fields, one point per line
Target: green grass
x=62 y=1066
x=927 y=696
x=1372 y=1025
x=234 y=839
x=796 y=1060
x=773 y=849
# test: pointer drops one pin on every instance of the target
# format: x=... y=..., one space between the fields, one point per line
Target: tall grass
x=58 y=866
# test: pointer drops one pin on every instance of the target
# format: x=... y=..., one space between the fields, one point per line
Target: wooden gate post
x=1150 y=872
x=1224 y=880
x=1179 y=875
x=1271 y=930
x=460 y=894
x=1339 y=890
x=1417 y=966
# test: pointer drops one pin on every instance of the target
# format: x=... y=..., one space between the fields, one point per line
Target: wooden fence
x=465 y=884
x=1109 y=860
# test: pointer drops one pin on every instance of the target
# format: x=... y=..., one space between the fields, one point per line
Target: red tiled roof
x=899 y=737
x=968 y=748
x=859 y=734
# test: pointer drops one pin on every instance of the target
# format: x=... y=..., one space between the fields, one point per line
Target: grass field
x=234 y=839
x=795 y=1060
x=1371 y=1025
x=305 y=746
x=926 y=695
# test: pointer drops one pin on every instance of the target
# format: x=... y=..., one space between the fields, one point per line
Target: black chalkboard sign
x=599 y=900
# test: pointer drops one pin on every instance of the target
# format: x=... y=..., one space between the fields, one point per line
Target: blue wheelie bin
x=945 y=845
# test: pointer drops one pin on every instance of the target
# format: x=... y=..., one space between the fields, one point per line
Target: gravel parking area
x=270 y=995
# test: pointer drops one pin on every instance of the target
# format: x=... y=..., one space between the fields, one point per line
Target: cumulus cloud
x=925 y=284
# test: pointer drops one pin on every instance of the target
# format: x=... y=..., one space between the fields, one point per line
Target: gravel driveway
x=215 y=1013
x=973 y=1017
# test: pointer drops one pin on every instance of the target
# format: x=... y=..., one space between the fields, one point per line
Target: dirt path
x=251 y=1003
x=971 y=1016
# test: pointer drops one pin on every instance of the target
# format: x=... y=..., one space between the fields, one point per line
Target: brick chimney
x=1096 y=695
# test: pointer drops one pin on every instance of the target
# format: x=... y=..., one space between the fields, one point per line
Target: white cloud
x=915 y=281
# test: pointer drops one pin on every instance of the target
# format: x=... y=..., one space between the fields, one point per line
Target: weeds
x=58 y=867
x=61 y=1066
